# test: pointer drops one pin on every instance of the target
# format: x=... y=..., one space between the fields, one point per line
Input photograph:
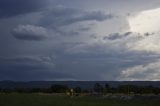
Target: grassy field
x=50 y=100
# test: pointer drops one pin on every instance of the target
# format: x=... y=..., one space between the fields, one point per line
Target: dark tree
x=59 y=88
x=98 y=88
x=107 y=88
x=78 y=90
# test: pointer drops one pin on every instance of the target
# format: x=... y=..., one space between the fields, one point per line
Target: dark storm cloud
x=30 y=32
x=56 y=18
x=60 y=16
x=76 y=57
x=35 y=62
x=149 y=34
x=94 y=63
x=10 y=8
x=29 y=68
x=115 y=36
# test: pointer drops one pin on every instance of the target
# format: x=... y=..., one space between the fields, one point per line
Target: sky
x=80 y=40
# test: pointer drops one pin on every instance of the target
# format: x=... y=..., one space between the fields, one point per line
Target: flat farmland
x=52 y=100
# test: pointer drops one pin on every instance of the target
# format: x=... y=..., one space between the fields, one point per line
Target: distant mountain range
x=72 y=84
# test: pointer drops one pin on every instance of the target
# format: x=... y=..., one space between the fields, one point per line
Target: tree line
x=96 y=89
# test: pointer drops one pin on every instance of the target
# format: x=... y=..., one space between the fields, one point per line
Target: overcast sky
x=88 y=40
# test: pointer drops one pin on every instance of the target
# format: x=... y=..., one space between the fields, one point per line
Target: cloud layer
x=60 y=15
x=79 y=40
x=10 y=8
x=142 y=72
x=30 y=68
x=30 y=32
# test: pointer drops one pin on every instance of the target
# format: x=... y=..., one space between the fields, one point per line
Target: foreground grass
x=50 y=100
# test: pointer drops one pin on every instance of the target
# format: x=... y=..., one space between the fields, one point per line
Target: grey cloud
x=84 y=28
x=9 y=8
x=148 y=72
x=97 y=48
x=148 y=34
x=30 y=32
x=98 y=16
x=116 y=36
x=77 y=57
x=101 y=63
x=120 y=36
x=56 y=18
x=60 y=16
x=30 y=68
x=61 y=32
x=36 y=62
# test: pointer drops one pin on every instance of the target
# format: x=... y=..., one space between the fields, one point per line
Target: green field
x=50 y=100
